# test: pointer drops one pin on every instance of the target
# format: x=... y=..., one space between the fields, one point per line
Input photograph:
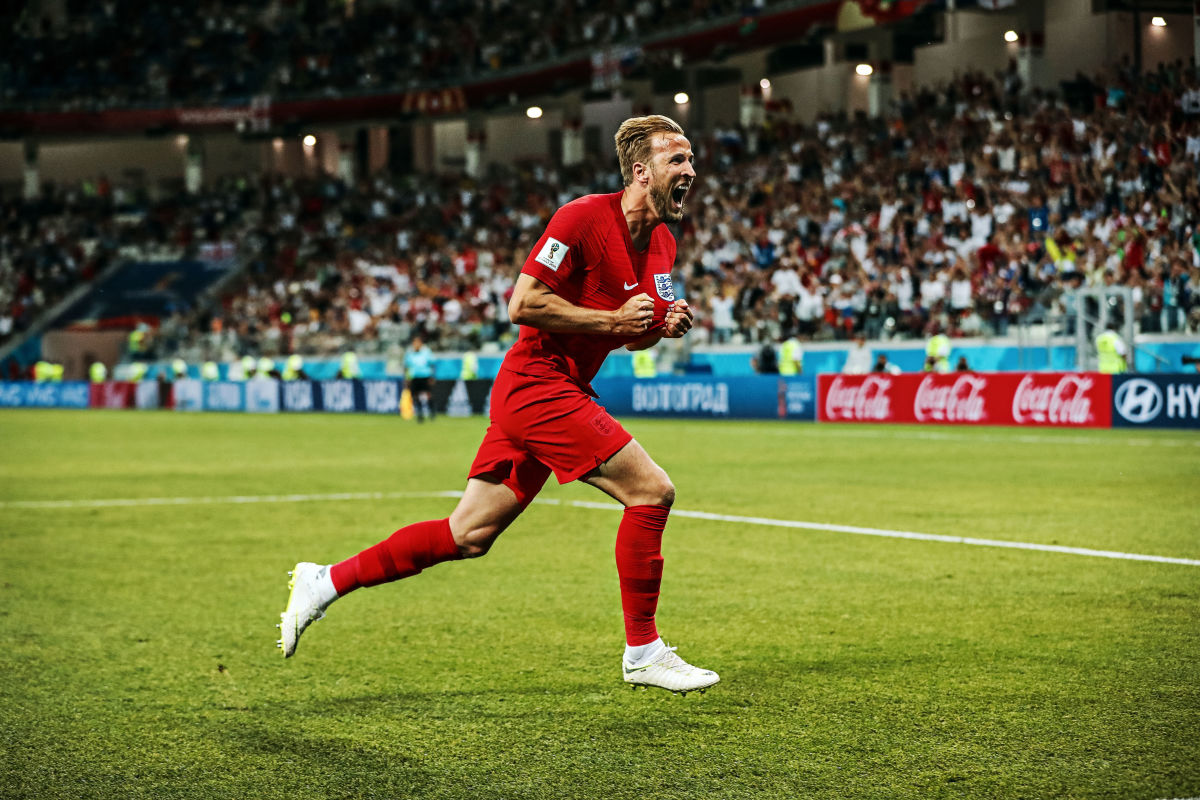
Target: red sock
x=639 y=566
x=406 y=552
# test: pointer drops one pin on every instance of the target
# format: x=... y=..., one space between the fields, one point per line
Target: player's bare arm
x=535 y=304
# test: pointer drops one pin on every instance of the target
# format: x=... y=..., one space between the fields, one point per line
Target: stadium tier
x=967 y=206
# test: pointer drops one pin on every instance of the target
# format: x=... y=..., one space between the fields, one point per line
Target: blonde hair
x=633 y=140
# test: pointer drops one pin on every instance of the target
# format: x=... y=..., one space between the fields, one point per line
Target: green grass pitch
x=138 y=654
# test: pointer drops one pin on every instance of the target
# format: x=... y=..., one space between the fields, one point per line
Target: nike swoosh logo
x=629 y=671
x=629 y=286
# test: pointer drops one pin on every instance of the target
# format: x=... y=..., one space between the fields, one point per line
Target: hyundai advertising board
x=1156 y=401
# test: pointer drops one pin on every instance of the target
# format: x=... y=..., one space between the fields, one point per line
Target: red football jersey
x=586 y=257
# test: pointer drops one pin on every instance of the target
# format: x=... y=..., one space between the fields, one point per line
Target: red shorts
x=539 y=426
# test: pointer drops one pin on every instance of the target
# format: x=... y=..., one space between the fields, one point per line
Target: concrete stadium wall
x=153 y=160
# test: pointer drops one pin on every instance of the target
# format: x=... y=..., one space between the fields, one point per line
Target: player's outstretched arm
x=535 y=304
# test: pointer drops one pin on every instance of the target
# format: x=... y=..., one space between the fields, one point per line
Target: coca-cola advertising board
x=1058 y=399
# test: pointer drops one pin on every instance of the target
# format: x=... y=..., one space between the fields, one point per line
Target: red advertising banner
x=112 y=394
x=1059 y=399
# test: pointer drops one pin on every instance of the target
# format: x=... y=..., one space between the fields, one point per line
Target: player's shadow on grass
x=306 y=761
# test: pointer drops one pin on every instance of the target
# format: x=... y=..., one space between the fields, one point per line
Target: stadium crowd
x=135 y=52
x=970 y=206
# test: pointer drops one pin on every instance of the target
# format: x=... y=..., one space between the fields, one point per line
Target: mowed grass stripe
x=133 y=502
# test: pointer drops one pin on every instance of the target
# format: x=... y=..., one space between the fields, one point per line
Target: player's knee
x=664 y=491
x=476 y=542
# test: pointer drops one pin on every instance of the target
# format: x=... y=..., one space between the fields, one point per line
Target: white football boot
x=668 y=671
x=306 y=603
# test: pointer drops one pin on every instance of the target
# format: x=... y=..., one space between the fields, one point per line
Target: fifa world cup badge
x=552 y=253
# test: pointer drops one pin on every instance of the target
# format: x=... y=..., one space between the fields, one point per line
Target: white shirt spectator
x=954 y=210
x=887 y=213
x=932 y=290
x=809 y=305
x=786 y=281
x=1003 y=212
x=981 y=228
x=858 y=360
x=960 y=294
x=358 y=321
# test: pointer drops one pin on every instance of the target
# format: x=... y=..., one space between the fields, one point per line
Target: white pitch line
x=234 y=499
x=133 y=502
x=890 y=534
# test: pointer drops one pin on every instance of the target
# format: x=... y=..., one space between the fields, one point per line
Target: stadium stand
x=216 y=52
x=966 y=207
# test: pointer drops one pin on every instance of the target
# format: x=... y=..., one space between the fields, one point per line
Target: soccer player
x=599 y=278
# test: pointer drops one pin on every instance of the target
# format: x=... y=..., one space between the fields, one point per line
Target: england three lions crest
x=665 y=287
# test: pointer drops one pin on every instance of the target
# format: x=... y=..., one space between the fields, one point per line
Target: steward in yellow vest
x=1110 y=353
x=643 y=364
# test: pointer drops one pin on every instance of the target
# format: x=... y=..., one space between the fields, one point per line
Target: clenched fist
x=678 y=320
x=635 y=317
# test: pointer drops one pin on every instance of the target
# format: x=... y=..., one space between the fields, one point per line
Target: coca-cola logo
x=868 y=400
x=1066 y=402
x=961 y=401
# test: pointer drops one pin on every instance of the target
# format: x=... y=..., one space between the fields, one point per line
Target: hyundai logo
x=1138 y=400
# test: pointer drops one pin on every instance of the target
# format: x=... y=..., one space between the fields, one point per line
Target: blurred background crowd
x=124 y=53
x=964 y=209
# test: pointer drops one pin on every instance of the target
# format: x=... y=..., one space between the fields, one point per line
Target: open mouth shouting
x=669 y=203
x=677 y=194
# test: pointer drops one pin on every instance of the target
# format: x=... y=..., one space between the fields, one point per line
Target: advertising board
x=1056 y=399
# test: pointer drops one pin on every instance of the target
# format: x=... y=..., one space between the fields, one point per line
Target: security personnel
x=643 y=364
x=209 y=371
x=179 y=369
x=137 y=371
x=265 y=367
x=244 y=369
x=791 y=357
x=293 y=368
x=937 y=353
x=137 y=340
x=1110 y=352
x=349 y=369
x=97 y=372
x=43 y=372
x=470 y=366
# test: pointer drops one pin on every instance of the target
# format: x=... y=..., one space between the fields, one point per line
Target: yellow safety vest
x=470 y=367
x=349 y=366
x=98 y=372
x=209 y=371
x=789 y=354
x=939 y=350
x=1109 y=361
x=292 y=367
x=643 y=364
